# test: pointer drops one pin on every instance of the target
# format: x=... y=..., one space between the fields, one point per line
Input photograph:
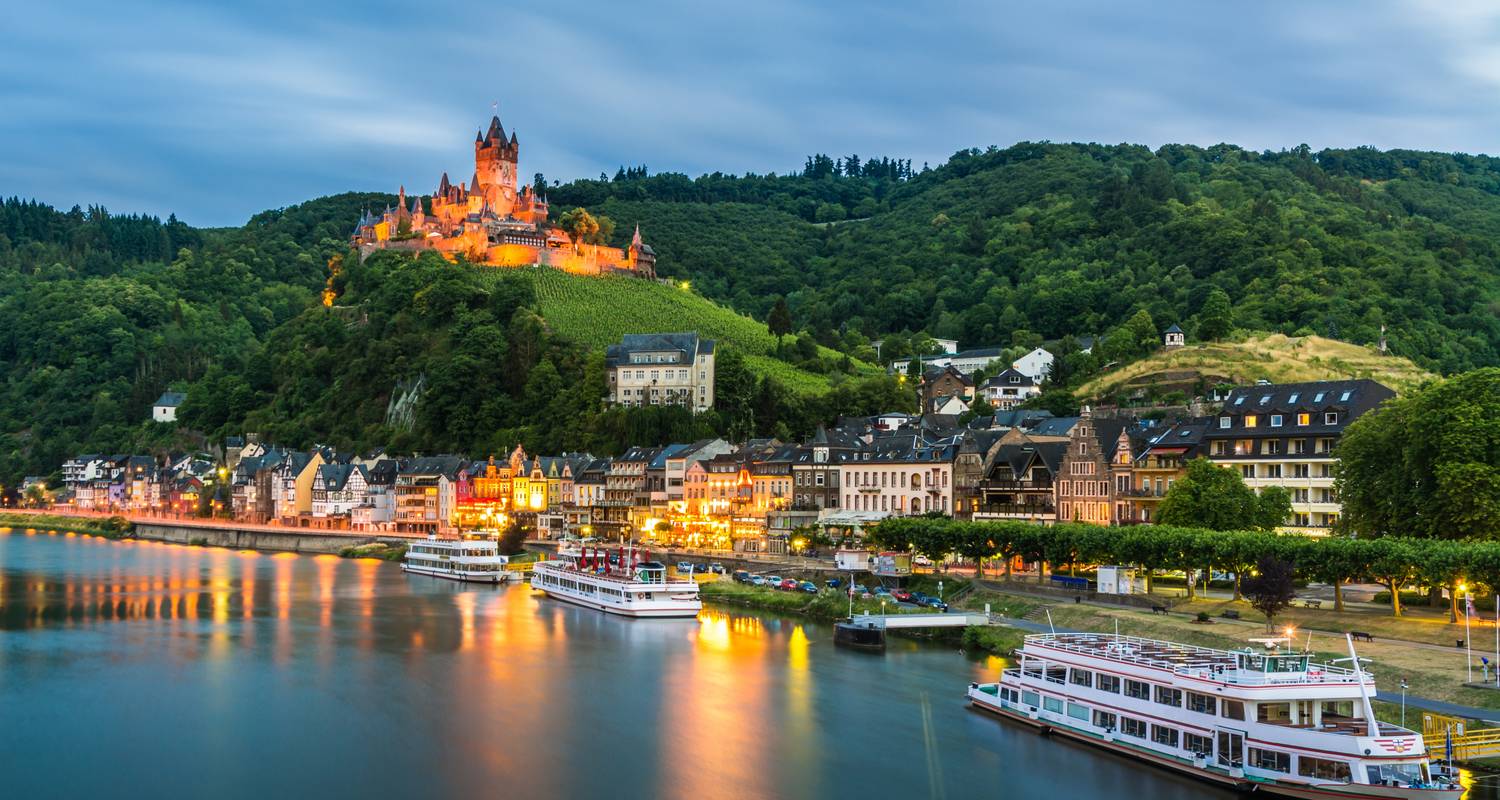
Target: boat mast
x=1364 y=692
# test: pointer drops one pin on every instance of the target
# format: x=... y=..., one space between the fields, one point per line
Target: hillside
x=1058 y=239
x=598 y=311
x=1274 y=357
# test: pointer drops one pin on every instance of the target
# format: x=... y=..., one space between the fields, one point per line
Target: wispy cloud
x=217 y=111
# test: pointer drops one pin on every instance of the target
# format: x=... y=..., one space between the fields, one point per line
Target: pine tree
x=1216 y=320
x=780 y=320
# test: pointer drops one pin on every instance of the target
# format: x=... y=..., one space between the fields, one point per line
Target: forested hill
x=1002 y=246
x=1060 y=239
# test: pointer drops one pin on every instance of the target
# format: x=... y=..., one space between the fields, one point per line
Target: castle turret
x=495 y=159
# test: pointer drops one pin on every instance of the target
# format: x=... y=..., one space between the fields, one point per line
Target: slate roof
x=685 y=346
x=170 y=399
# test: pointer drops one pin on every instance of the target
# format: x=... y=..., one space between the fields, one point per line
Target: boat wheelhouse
x=1271 y=721
x=625 y=582
x=473 y=557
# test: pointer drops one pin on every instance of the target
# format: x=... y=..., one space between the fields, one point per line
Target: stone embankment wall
x=247 y=539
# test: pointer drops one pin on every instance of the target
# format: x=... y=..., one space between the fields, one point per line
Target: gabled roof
x=1173 y=329
x=685 y=346
x=170 y=399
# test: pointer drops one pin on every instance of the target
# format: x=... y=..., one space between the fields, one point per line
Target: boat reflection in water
x=150 y=669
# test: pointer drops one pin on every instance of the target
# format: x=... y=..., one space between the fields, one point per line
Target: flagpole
x=1497 y=638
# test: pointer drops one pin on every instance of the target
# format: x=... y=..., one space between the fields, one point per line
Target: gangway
x=940 y=620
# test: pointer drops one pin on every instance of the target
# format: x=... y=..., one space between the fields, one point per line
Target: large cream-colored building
x=662 y=369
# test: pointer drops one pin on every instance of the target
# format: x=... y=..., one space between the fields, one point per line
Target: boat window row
x=1141 y=690
x=1168 y=736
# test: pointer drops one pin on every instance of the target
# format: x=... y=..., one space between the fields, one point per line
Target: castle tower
x=495 y=160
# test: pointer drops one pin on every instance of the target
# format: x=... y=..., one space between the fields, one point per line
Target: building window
x=1331 y=418
x=1247 y=470
x=1107 y=683
x=1164 y=735
x=1200 y=745
x=1052 y=704
x=1133 y=727
x=1233 y=709
x=1104 y=719
x=1081 y=677
x=1224 y=422
x=1139 y=690
x=1168 y=696
x=1251 y=420
x=1304 y=418
x=1276 y=420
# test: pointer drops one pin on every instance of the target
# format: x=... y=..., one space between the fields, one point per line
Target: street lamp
x=1403 y=701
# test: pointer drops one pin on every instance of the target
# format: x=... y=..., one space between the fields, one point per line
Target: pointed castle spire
x=635 y=241
x=496 y=132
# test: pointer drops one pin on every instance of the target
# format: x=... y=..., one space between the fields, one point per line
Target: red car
x=790 y=584
x=901 y=595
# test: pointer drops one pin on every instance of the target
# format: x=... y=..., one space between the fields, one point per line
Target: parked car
x=717 y=568
x=834 y=583
x=921 y=560
x=790 y=584
x=881 y=590
x=773 y=581
x=683 y=566
x=919 y=598
x=741 y=576
x=901 y=595
x=933 y=602
x=807 y=586
x=757 y=580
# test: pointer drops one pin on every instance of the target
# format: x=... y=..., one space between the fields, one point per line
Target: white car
x=921 y=561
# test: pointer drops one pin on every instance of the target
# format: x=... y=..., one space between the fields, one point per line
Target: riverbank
x=107 y=527
x=213 y=533
x=831 y=605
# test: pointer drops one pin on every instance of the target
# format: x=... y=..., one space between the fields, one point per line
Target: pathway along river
x=142 y=669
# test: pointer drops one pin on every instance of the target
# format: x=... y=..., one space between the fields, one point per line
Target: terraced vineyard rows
x=598 y=311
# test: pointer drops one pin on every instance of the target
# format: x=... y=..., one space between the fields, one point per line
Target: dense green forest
x=999 y=246
x=1059 y=239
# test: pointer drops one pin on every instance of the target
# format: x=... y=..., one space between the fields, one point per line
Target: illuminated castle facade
x=490 y=219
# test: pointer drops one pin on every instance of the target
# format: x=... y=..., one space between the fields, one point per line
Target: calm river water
x=136 y=668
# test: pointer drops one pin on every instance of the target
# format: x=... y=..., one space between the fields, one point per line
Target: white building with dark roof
x=165 y=407
x=661 y=369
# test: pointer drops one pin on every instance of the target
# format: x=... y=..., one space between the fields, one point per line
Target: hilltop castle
x=489 y=220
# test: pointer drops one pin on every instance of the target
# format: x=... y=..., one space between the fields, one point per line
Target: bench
x=1230 y=614
x=1159 y=609
x=1313 y=603
x=1361 y=636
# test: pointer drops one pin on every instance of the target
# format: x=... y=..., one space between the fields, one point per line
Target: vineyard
x=599 y=311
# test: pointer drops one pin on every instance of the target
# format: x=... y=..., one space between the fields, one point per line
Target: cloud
x=218 y=111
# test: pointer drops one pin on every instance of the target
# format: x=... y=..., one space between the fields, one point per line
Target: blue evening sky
x=218 y=110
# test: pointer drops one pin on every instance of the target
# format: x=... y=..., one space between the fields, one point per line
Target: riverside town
x=805 y=431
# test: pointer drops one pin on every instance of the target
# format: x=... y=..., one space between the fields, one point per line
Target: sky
x=215 y=111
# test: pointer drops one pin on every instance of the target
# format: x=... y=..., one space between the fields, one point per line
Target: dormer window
x=1015 y=379
x=1276 y=420
x=1224 y=422
x=1304 y=418
x=1331 y=418
x=1251 y=420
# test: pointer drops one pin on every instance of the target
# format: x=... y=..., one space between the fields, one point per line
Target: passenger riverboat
x=1270 y=721
x=473 y=556
x=632 y=586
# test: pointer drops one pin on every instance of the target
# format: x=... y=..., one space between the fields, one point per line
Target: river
x=136 y=668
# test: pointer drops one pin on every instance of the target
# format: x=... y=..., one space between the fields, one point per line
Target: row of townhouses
x=1013 y=464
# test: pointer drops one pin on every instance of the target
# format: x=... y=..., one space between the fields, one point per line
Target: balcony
x=1017 y=510
x=1007 y=485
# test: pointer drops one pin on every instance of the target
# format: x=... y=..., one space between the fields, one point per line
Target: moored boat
x=472 y=557
x=1263 y=721
x=629 y=583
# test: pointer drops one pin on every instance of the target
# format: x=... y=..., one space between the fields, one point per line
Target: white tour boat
x=474 y=556
x=1268 y=721
x=635 y=586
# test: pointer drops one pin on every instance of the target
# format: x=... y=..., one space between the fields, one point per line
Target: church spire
x=635 y=241
x=496 y=132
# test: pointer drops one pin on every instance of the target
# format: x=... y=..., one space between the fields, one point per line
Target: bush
x=1203 y=616
x=198 y=542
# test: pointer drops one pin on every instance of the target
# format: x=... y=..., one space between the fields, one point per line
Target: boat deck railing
x=1188 y=660
x=632 y=581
